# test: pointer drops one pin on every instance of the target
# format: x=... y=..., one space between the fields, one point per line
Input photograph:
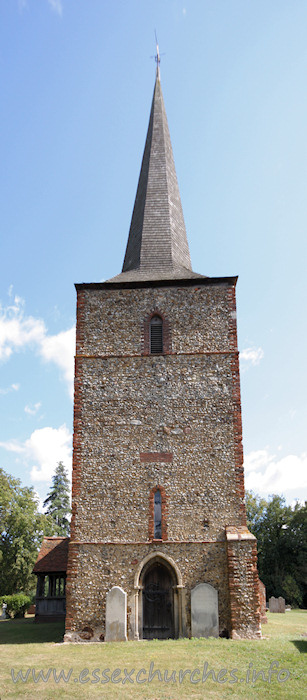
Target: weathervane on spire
x=157 y=57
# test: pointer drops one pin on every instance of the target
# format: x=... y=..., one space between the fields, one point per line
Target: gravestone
x=116 y=615
x=277 y=605
x=273 y=604
x=204 y=611
x=4 y=615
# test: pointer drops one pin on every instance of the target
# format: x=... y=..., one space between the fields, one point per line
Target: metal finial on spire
x=157 y=57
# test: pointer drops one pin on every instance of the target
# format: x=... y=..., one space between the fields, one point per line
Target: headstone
x=116 y=615
x=204 y=611
x=4 y=615
x=277 y=605
x=273 y=604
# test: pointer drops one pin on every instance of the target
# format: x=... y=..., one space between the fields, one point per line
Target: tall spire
x=157 y=245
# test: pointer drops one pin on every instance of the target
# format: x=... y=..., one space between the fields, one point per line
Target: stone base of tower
x=226 y=567
x=244 y=594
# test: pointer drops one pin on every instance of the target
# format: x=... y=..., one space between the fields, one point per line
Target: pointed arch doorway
x=158 y=589
x=158 y=603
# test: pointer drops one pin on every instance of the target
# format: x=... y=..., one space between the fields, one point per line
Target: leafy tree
x=57 y=501
x=22 y=528
x=297 y=548
x=292 y=591
x=255 y=507
x=281 y=533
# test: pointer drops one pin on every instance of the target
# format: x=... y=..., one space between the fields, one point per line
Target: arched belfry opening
x=156 y=335
x=159 y=590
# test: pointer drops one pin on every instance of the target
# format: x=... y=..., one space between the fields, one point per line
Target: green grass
x=26 y=645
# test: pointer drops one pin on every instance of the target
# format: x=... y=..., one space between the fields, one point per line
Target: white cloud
x=46 y=447
x=18 y=331
x=43 y=450
x=40 y=502
x=60 y=349
x=251 y=356
x=13 y=446
x=299 y=501
x=265 y=473
x=13 y=387
x=32 y=409
x=56 y=6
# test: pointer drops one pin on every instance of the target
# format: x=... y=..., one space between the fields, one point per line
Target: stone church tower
x=159 y=545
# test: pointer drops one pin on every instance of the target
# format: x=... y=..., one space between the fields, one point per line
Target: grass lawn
x=230 y=664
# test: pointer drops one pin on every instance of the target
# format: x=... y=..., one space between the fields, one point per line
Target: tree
x=255 y=507
x=281 y=533
x=22 y=529
x=57 y=501
x=297 y=548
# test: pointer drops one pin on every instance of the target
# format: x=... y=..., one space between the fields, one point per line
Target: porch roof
x=52 y=557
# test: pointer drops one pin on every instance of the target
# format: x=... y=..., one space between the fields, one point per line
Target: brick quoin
x=72 y=572
x=237 y=411
x=76 y=486
x=76 y=470
x=241 y=623
x=166 y=333
x=80 y=329
x=232 y=334
x=151 y=521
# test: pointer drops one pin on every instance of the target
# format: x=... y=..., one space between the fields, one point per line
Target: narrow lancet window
x=158 y=516
x=156 y=335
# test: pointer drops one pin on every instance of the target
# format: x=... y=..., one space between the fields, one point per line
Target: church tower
x=159 y=546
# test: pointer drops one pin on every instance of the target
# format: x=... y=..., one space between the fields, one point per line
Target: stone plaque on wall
x=204 y=611
x=116 y=615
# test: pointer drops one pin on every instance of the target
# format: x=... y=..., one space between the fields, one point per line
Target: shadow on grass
x=26 y=631
x=301 y=645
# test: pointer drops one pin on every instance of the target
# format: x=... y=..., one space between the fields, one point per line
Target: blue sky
x=76 y=84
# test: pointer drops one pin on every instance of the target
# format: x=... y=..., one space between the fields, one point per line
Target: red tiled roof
x=52 y=556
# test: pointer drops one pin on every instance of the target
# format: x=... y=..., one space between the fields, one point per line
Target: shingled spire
x=157 y=245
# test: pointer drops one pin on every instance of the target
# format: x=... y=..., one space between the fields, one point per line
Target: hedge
x=17 y=604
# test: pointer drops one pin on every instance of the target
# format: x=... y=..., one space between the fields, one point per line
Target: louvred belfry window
x=156 y=335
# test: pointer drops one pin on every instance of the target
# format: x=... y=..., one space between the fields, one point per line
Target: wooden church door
x=158 y=604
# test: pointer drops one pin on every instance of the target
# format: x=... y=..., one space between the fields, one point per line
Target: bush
x=17 y=604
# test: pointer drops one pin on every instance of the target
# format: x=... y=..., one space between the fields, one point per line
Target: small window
x=158 y=516
x=156 y=335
